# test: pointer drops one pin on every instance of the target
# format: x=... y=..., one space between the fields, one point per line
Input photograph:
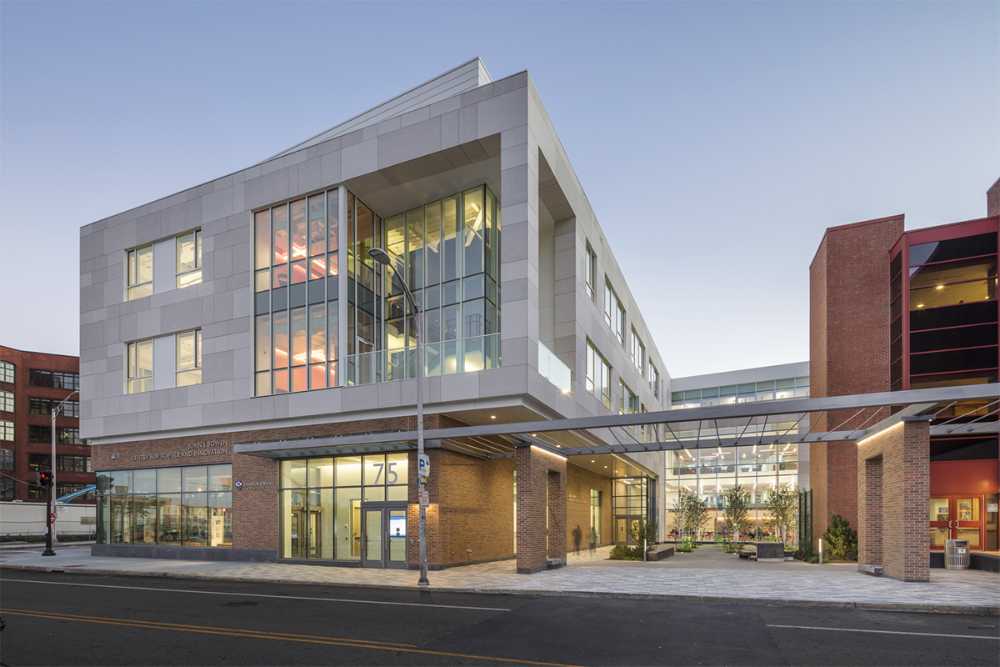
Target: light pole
x=382 y=257
x=52 y=466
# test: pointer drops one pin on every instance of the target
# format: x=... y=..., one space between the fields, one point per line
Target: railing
x=554 y=370
x=466 y=355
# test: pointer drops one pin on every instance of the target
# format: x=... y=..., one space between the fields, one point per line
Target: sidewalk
x=705 y=574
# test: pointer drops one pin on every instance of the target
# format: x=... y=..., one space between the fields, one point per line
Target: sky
x=715 y=140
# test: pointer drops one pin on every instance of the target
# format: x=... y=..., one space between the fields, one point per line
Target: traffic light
x=43 y=478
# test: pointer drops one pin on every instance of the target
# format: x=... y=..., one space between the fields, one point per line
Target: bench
x=659 y=552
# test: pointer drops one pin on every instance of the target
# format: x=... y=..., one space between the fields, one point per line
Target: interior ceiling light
x=920 y=305
x=493 y=416
x=939 y=287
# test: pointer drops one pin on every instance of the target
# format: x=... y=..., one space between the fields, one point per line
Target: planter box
x=659 y=553
x=770 y=551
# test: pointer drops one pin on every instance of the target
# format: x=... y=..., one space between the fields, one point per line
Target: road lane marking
x=259 y=634
x=883 y=632
x=391 y=603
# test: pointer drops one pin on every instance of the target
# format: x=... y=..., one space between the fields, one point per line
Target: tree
x=736 y=509
x=840 y=539
x=781 y=503
x=691 y=513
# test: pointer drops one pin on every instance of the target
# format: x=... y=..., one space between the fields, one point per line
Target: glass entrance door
x=384 y=534
x=956 y=517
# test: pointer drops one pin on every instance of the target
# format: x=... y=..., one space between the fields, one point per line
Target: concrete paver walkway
x=706 y=573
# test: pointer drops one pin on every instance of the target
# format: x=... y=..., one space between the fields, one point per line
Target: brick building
x=31 y=384
x=891 y=310
x=229 y=331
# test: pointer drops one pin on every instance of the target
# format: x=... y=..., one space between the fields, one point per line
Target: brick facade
x=541 y=508
x=848 y=347
x=579 y=482
x=893 y=487
x=22 y=445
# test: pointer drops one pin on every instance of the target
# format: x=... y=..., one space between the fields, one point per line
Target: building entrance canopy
x=772 y=422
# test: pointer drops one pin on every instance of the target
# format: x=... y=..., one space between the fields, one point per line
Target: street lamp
x=51 y=518
x=382 y=257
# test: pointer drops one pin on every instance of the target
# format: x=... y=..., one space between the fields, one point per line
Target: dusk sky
x=748 y=128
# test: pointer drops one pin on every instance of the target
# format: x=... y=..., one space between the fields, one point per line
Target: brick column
x=541 y=484
x=893 y=489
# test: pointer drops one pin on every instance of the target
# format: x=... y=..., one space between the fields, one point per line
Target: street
x=68 y=619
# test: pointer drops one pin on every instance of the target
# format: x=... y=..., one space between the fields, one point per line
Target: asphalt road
x=66 y=619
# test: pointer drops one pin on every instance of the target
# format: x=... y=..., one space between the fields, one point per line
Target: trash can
x=956 y=554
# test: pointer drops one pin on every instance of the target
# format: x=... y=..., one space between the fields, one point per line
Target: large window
x=6 y=372
x=64 y=436
x=296 y=272
x=6 y=430
x=188 y=252
x=54 y=379
x=140 y=367
x=139 y=273
x=638 y=352
x=598 y=375
x=766 y=390
x=188 y=357
x=321 y=502
x=654 y=380
x=6 y=459
x=629 y=400
x=6 y=401
x=44 y=406
x=614 y=312
x=187 y=506
x=591 y=275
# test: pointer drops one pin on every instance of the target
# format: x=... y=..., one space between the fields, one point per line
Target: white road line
x=884 y=632
x=256 y=595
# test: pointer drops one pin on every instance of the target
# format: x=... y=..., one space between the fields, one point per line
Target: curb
x=898 y=607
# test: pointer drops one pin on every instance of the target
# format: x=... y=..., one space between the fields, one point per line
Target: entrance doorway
x=384 y=540
x=956 y=517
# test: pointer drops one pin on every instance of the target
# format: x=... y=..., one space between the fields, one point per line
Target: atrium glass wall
x=709 y=472
x=188 y=506
x=296 y=291
x=322 y=502
x=449 y=253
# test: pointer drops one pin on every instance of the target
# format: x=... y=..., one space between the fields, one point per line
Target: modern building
x=894 y=309
x=31 y=385
x=709 y=471
x=231 y=330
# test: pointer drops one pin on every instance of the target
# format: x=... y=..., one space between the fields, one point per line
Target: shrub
x=840 y=540
x=622 y=552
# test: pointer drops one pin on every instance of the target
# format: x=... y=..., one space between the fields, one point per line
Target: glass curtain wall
x=708 y=473
x=295 y=285
x=633 y=504
x=321 y=502
x=449 y=253
x=189 y=506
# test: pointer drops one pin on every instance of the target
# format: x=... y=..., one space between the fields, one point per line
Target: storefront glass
x=322 y=501
x=185 y=506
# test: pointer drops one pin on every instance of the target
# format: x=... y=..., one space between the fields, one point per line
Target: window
x=140 y=367
x=139 y=273
x=598 y=375
x=629 y=401
x=654 y=380
x=6 y=401
x=6 y=459
x=6 y=430
x=54 y=379
x=189 y=258
x=45 y=406
x=591 y=271
x=68 y=463
x=6 y=488
x=638 y=353
x=614 y=312
x=188 y=358
x=595 y=518
x=6 y=372
x=188 y=506
x=68 y=436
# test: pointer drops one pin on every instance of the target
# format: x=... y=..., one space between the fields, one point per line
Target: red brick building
x=31 y=384
x=892 y=310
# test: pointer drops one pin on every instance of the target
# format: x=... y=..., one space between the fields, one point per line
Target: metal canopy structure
x=762 y=423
